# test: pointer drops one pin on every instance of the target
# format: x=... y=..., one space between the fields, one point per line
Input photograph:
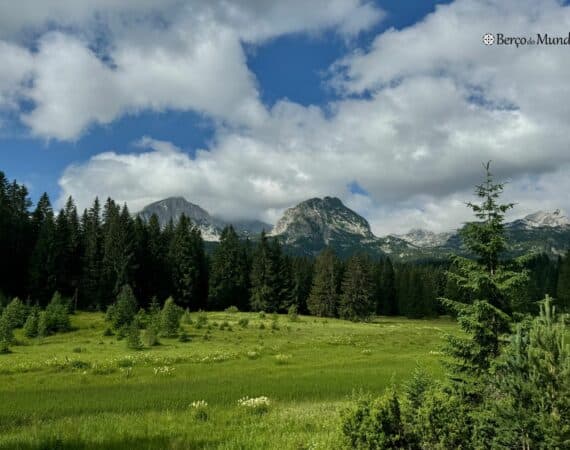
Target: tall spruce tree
x=91 y=270
x=491 y=284
x=264 y=294
x=188 y=265
x=323 y=299
x=563 y=286
x=229 y=278
x=357 y=298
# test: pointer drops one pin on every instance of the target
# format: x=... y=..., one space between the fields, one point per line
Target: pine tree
x=6 y=334
x=91 y=274
x=188 y=264
x=491 y=284
x=16 y=313
x=264 y=295
x=122 y=313
x=229 y=278
x=386 y=288
x=563 y=287
x=42 y=268
x=302 y=279
x=133 y=338
x=170 y=318
x=31 y=327
x=356 y=300
x=323 y=300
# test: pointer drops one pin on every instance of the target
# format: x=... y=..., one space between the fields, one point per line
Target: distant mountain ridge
x=315 y=223
x=173 y=208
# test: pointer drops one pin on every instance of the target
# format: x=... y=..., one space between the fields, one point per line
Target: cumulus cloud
x=418 y=112
x=113 y=58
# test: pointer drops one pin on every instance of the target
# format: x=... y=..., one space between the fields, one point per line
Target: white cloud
x=438 y=102
x=182 y=55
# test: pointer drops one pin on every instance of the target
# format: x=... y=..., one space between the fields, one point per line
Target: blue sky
x=291 y=90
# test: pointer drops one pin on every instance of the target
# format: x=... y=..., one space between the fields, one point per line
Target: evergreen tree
x=264 y=295
x=491 y=284
x=188 y=265
x=563 y=286
x=123 y=312
x=31 y=327
x=91 y=274
x=6 y=334
x=133 y=338
x=43 y=263
x=323 y=300
x=385 y=279
x=16 y=313
x=170 y=318
x=229 y=279
x=356 y=300
x=302 y=280
x=117 y=262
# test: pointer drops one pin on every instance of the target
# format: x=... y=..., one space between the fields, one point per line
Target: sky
x=248 y=107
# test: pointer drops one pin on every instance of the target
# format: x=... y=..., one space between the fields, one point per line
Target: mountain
x=211 y=227
x=424 y=238
x=542 y=219
x=319 y=222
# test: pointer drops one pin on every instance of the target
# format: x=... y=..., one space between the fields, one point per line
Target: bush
x=293 y=313
x=243 y=322
x=31 y=327
x=55 y=318
x=184 y=337
x=186 y=317
x=16 y=313
x=170 y=318
x=6 y=334
x=123 y=312
x=133 y=337
x=224 y=325
x=201 y=320
x=375 y=424
x=232 y=309
x=151 y=337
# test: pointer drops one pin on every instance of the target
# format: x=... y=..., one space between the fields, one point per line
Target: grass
x=83 y=390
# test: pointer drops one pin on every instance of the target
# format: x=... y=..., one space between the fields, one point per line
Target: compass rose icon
x=488 y=39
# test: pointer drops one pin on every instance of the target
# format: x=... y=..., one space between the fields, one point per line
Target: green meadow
x=84 y=390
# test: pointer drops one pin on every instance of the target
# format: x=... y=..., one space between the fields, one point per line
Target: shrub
x=108 y=332
x=55 y=317
x=261 y=326
x=232 y=309
x=16 y=313
x=151 y=337
x=258 y=405
x=123 y=312
x=375 y=424
x=224 y=325
x=170 y=318
x=133 y=337
x=184 y=337
x=6 y=334
x=186 y=317
x=201 y=319
x=31 y=327
x=243 y=322
x=293 y=313
x=200 y=410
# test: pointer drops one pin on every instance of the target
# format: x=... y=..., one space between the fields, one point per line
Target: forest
x=88 y=257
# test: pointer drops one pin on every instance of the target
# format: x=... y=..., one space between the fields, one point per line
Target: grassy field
x=83 y=390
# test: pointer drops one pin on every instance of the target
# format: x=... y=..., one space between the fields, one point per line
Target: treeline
x=89 y=257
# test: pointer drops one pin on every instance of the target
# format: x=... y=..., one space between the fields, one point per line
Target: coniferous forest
x=89 y=256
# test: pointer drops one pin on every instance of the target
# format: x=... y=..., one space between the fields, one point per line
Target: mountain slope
x=211 y=227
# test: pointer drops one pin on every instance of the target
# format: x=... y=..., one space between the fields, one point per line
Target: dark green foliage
x=229 y=276
x=323 y=300
x=133 y=337
x=184 y=337
x=55 y=318
x=189 y=265
x=563 y=286
x=528 y=391
x=357 y=298
x=264 y=295
x=6 y=334
x=16 y=313
x=170 y=318
x=122 y=313
x=293 y=313
x=31 y=327
x=375 y=423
